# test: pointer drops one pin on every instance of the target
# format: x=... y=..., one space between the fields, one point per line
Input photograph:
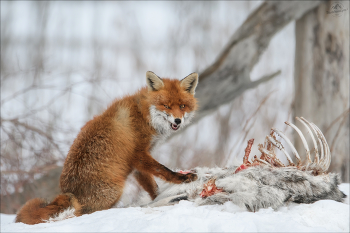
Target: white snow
x=321 y=216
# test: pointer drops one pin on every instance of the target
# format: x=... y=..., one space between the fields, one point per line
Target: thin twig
x=343 y=114
x=337 y=133
x=247 y=122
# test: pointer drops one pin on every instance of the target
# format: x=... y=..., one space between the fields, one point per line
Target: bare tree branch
x=33 y=129
x=228 y=76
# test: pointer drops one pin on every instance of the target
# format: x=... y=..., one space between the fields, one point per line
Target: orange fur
x=111 y=145
x=37 y=210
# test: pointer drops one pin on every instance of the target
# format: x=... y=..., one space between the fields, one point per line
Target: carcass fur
x=265 y=181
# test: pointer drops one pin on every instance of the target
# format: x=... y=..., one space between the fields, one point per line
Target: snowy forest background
x=64 y=62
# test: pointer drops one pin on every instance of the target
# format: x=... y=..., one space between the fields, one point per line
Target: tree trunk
x=322 y=78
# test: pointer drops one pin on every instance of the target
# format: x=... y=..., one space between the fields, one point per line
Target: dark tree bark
x=322 y=78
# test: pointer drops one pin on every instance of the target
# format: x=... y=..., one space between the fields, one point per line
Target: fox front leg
x=147 y=182
x=146 y=163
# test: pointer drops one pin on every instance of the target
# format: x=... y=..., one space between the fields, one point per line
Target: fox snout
x=176 y=124
x=177 y=121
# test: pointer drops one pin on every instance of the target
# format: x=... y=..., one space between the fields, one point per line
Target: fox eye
x=166 y=106
x=182 y=106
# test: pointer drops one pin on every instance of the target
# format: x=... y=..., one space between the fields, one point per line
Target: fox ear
x=154 y=83
x=190 y=83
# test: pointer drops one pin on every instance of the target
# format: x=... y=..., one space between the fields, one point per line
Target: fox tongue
x=174 y=126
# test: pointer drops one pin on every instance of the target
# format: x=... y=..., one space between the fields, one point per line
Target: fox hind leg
x=100 y=199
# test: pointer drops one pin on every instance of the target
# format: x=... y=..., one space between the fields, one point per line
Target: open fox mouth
x=174 y=126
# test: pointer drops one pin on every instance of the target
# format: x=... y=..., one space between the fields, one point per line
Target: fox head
x=172 y=102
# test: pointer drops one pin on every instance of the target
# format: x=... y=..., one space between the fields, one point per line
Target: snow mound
x=321 y=216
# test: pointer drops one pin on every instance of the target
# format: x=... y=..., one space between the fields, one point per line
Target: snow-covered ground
x=321 y=216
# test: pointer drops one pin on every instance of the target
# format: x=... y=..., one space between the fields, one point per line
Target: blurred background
x=62 y=62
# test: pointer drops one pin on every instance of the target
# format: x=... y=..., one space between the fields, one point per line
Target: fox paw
x=189 y=177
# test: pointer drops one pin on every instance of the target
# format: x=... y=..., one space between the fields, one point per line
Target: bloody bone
x=247 y=151
x=210 y=189
x=246 y=162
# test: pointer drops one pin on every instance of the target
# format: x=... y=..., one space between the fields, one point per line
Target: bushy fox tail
x=38 y=210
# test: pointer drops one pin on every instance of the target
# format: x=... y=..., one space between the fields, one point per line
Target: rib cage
x=318 y=166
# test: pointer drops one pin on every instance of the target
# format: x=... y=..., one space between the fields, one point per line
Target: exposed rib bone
x=305 y=123
x=321 y=145
x=294 y=151
x=324 y=161
x=319 y=137
x=261 y=161
x=270 y=155
x=281 y=148
x=327 y=151
x=303 y=140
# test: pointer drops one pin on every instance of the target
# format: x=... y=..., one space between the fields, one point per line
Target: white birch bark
x=322 y=78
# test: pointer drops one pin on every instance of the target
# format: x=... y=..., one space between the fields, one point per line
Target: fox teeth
x=174 y=126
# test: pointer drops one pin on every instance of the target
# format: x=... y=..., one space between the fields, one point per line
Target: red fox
x=116 y=143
